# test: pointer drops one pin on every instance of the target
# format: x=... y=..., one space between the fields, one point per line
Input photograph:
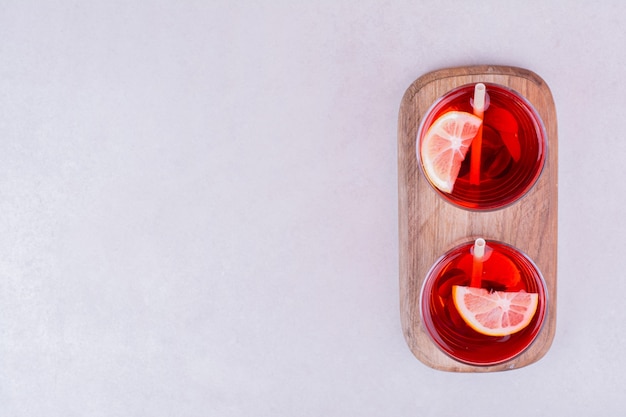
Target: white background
x=198 y=205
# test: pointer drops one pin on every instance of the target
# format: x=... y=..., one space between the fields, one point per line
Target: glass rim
x=542 y=139
x=542 y=320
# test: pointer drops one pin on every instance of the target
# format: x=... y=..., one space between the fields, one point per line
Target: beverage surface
x=504 y=269
x=512 y=149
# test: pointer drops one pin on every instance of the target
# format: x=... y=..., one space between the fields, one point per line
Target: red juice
x=504 y=268
x=512 y=152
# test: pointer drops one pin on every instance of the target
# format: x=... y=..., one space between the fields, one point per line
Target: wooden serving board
x=429 y=226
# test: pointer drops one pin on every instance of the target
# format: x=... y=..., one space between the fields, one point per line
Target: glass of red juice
x=512 y=151
x=503 y=269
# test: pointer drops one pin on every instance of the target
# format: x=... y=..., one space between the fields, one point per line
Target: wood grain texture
x=429 y=226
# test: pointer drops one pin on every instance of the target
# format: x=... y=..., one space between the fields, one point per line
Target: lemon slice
x=495 y=313
x=445 y=145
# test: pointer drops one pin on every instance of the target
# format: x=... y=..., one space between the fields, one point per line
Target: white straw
x=479 y=99
x=479 y=248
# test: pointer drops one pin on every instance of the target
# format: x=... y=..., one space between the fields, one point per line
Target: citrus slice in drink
x=496 y=313
x=445 y=145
